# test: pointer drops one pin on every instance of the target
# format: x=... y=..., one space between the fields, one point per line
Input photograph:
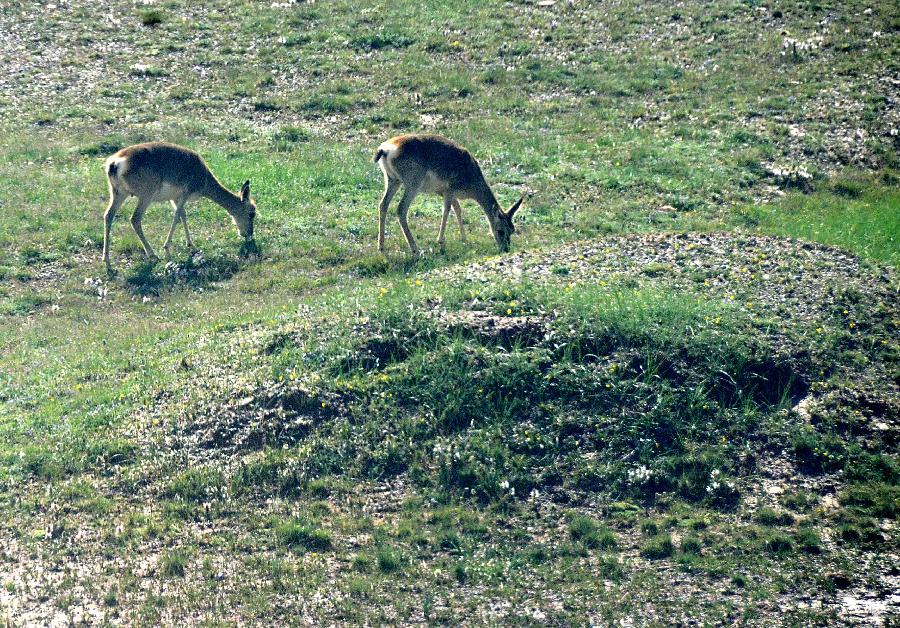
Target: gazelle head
x=245 y=213
x=502 y=225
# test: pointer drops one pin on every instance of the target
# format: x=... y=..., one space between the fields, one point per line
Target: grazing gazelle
x=157 y=171
x=431 y=163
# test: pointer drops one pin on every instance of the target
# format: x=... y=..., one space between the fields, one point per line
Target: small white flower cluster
x=790 y=173
x=537 y=614
x=176 y=270
x=639 y=475
x=504 y=486
x=800 y=45
x=446 y=450
x=791 y=177
x=95 y=284
x=715 y=483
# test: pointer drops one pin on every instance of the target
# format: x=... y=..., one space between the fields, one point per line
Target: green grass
x=173 y=564
x=218 y=437
x=592 y=534
x=658 y=547
x=152 y=17
x=769 y=517
x=858 y=214
x=302 y=537
x=388 y=561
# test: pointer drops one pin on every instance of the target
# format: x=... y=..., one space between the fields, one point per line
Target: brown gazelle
x=431 y=163
x=157 y=171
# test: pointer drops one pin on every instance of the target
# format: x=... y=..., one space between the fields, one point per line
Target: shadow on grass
x=377 y=264
x=191 y=272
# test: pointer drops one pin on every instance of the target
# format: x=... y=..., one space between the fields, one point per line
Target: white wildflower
x=639 y=475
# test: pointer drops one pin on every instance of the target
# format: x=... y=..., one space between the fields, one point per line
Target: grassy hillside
x=661 y=406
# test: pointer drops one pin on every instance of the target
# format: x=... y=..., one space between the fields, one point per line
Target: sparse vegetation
x=660 y=407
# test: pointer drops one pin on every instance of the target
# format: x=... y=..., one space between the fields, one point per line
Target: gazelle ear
x=245 y=191
x=512 y=210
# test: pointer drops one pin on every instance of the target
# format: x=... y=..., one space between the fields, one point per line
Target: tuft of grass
x=362 y=563
x=111 y=598
x=818 y=453
x=24 y=305
x=460 y=572
x=878 y=500
x=770 y=517
x=152 y=17
x=808 y=541
x=197 y=485
x=301 y=536
x=587 y=530
x=691 y=545
x=611 y=569
x=801 y=501
x=173 y=564
x=537 y=554
x=650 y=527
x=288 y=137
x=382 y=39
x=659 y=547
x=778 y=544
x=388 y=560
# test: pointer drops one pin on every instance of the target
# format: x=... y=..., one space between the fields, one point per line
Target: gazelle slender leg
x=187 y=235
x=448 y=201
x=115 y=202
x=390 y=188
x=458 y=211
x=177 y=208
x=136 y=218
x=412 y=189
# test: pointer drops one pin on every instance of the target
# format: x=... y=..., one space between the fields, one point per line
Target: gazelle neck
x=484 y=196
x=219 y=194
